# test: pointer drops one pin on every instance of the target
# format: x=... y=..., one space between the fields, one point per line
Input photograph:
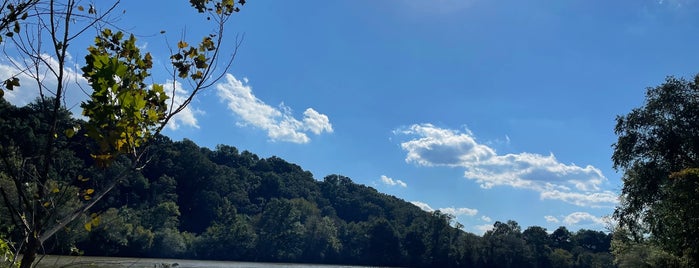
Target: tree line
x=223 y=204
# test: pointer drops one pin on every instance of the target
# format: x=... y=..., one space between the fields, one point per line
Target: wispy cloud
x=279 y=122
x=422 y=206
x=391 y=182
x=449 y=210
x=186 y=117
x=576 y=218
x=460 y=211
x=433 y=146
x=29 y=89
x=551 y=219
x=481 y=229
x=457 y=212
x=676 y=3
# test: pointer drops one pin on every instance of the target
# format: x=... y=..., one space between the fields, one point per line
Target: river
x=52 y=261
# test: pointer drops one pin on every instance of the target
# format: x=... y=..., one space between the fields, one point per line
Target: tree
x=561 y=258
x=658 y=151
x=594 y=241
x=506 y=248
x=560 y=238
x=539 y=244
x=123 y=112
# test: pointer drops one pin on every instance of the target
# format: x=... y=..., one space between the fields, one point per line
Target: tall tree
x=658 y=152
x=123 y=112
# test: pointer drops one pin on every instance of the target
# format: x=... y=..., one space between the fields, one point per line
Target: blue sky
x=488 y=110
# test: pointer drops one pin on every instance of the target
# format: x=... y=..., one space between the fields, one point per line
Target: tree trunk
x=29 y=255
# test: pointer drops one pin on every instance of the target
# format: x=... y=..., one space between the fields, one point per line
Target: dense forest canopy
x=223 y=204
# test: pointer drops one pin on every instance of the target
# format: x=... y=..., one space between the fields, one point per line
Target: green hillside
x=223 y=204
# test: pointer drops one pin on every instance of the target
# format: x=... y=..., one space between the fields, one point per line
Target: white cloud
x=676 y=3
x=442 y=147
x=316 y=122
x=433 y=146
x=481 y=229
x=584 y=217
x=391 y=182
x=422 y=206
x=486 y=219
x=551 y=219
x=587 y=199
x=187 y=115
x=29 y=89
x=278 y=122
x=450 y=210
x=76 y=89
x=460 y=211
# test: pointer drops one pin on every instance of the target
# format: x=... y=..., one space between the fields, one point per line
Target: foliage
x=48 y=183
x=8 y=255
x=658 y=151
x=123 y=111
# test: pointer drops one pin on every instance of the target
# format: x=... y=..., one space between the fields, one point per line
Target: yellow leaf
x=120 y=143
x=95 y=221
x=81 y=8
x=70 y=132
x=89 y=191
x=47 y=204
x=87 y=197
x=55 y=190
x=88 y=226
x=81 y=178
x=182 y=44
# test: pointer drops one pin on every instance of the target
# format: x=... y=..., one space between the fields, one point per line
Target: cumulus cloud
x=279 y=122
x=486 y=219
x=29 y=90
x=582 y=217
x=391 y=182
x=442 y=147
x=551 y=219
x=434 y=146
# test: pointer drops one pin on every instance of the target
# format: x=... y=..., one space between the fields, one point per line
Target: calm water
x=110 y=262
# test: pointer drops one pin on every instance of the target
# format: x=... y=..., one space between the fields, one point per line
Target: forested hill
x=223 y=204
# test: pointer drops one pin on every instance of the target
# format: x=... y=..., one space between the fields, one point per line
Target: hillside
x=223 y=204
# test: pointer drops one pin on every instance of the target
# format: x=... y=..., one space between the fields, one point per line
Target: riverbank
x=54 y=261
